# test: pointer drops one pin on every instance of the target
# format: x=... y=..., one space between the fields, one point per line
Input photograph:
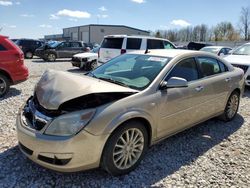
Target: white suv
x=115 y=45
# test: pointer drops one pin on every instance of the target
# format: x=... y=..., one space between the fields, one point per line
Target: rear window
x=133 y=43
x=154 y=44
x=2 y=48
x=115 y=43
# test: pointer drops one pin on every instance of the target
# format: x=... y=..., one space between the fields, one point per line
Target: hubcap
x=93 y=65
x=232 y=106
x=2 y=86
x=128 y=148
x=28 y=54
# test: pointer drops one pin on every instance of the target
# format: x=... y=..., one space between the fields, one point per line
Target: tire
x=4 y=85
x=128 y=158
x=231 y=108
x=28 y=55
x=93 y=65
x=51 y=57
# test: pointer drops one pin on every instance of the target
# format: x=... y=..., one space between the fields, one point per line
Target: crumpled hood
x=57 y=87
x=238 y=59
x=86 y=55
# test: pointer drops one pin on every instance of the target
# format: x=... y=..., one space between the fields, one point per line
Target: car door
x=76 y=48
x=180 y=108
x=217 y=77
x=63 y=50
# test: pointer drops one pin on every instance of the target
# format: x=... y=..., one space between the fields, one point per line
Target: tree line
x=223 y=31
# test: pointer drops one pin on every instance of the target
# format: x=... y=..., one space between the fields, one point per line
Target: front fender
x=128 y=115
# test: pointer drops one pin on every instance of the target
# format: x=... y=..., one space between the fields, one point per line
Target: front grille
x=76 y=59
x=25 y=149
x=243 y=67
x=33 y=118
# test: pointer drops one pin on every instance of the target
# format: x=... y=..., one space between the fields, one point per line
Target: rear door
x=111 y=47
x=64 y=50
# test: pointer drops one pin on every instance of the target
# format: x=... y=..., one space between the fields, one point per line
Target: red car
x=12 y=68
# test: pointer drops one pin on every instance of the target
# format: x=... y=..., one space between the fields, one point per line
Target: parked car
x=240 y=57
x=218 y=50
x=197 y=45
x=53 y=51
x=28 y=46
x=111 y=116
x=86 y=60
x=115 y=45
x=12 y=68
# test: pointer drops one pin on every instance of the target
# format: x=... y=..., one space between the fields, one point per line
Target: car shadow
x=161 y=161
x=12 y=93
x=57 y=61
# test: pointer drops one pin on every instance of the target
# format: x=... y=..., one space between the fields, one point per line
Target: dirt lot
x=212 y=154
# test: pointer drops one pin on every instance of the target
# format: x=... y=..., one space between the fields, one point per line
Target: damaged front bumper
x=61 y=153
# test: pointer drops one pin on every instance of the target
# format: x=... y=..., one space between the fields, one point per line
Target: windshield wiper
x=113 y=81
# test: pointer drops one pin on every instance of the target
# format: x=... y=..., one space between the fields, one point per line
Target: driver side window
x=186 y=69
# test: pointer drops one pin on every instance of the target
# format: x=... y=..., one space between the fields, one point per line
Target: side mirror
x=222 y=54
x=174 y=82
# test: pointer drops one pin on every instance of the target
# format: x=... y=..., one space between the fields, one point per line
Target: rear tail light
x=123 y=51
x=20 y=57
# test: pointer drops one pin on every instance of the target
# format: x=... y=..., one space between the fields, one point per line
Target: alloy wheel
x=128 y=148
x=233 y=104
x=3 y=86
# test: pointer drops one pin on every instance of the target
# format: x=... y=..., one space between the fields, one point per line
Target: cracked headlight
x=70 y=124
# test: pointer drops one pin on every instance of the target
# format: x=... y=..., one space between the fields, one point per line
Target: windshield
x=242 y=50
x=211 y=50
x=131 y=70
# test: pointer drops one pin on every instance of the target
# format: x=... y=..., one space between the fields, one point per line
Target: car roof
x=133 y=36
x=216 y=47
x=172 y=52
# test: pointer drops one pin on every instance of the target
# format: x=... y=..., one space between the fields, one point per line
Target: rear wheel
x=125 y=148
x=51 y=57
x=4 y=85
x=232 y=106
x=28 y=55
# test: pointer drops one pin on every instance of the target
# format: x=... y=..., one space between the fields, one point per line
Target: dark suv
x=52 y=51
x=28 y=46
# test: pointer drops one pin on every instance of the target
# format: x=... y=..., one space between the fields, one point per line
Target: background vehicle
x=197 y=45
x=114 y=45
x=28 y=46
x=240 y=57
x=111 y=116
x=218 y=50
x=55 y=50
x=86 y=60
x=12 y=68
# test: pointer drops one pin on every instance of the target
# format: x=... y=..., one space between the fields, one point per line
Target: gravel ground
x=212 y=154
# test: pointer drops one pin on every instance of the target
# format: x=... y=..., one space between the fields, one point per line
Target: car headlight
x=70 y=124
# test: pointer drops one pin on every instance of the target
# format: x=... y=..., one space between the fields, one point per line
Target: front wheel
x=125 y=148
x=28 y=55
x=232 y=106
x=93 y=65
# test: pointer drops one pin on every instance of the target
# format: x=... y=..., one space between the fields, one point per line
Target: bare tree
x=245 y=21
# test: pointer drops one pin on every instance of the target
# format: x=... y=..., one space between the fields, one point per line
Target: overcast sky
x=36 y=18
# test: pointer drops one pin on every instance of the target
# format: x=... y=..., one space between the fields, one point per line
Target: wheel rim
x=2 y=86
x=232 y=106
x=128 y=148
x=93 y=65
x=51 y=57
x=28 y=54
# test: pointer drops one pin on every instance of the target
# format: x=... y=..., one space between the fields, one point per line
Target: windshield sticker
x=158 y=59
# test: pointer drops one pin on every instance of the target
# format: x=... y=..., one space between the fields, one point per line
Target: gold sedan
x=109 y=117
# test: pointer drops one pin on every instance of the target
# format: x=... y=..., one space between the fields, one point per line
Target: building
x=57 y=37
x=94 y=33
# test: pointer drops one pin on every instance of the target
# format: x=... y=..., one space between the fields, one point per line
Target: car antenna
x=146 y=51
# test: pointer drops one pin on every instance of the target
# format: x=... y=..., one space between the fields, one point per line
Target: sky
x=36 y=18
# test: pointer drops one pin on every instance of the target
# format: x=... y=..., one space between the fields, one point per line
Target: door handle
x=227 y=79
x=199 y=88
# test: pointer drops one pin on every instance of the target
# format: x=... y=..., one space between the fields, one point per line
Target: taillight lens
x=123 y=51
